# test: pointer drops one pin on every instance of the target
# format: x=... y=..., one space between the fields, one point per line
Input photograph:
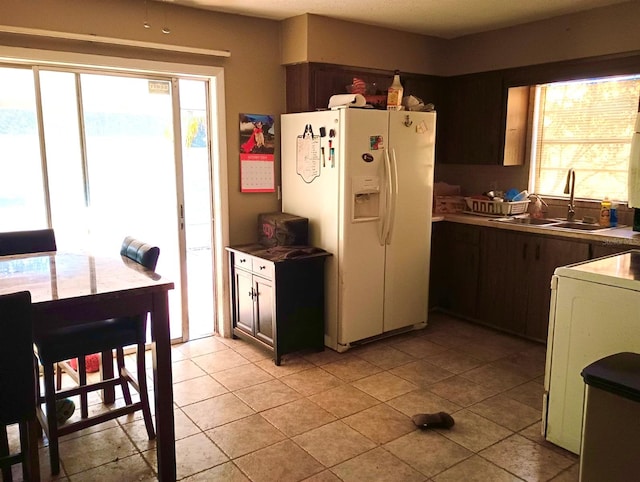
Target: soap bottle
x=395 y=92
x=605 y=212
x=613 y=215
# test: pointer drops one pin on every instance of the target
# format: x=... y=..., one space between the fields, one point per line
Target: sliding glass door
x=22 y=198
x=100 y=156
x=197 y=210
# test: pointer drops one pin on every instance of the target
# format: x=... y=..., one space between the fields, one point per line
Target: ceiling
x=439 y=18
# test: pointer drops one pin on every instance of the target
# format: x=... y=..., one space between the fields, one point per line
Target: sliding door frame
x=15 y=56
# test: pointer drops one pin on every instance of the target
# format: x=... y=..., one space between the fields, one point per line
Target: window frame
x=536 y=131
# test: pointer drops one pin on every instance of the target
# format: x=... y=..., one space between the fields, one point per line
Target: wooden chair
x=18 y=385
x=22 y=242
x=95 y=337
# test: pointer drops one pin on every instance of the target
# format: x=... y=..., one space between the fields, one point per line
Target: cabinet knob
x=263 y=267
x=242 y=260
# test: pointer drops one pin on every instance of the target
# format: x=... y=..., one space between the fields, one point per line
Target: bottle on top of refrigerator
x=395 y=92
x=605 y=212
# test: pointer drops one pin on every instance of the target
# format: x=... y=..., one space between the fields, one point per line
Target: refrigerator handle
x=393 y=181
x=384 y=231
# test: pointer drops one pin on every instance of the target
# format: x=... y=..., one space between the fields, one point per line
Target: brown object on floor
x=433 y=420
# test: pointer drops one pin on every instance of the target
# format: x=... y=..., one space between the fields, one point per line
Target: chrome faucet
x=569 y=189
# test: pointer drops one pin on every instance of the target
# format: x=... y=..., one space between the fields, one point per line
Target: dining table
x=72 y=288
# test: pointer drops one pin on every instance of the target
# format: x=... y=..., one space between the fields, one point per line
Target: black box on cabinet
x=282 y=229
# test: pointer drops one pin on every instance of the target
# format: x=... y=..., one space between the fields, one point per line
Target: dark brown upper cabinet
x=483 y=118
x=470 y=119
x=310 y=85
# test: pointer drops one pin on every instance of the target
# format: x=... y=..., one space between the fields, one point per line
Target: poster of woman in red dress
x=257 y=153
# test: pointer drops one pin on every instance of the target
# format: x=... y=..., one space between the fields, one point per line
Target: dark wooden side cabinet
x=277 y=297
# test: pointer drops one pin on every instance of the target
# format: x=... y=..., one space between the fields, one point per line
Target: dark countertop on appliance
x=280 y=253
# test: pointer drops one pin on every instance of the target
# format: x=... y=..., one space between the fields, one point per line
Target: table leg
x=163 y=388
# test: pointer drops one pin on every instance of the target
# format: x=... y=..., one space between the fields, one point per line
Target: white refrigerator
x=364 y=178
x=594 y=312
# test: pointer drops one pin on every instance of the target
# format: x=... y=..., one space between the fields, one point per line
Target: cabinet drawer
x=242 y=260
x=262 y=268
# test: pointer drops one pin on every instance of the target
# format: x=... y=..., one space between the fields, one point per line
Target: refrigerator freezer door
x=411 y=143
x=364 y=137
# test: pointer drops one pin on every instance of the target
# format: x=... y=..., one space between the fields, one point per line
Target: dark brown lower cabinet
x=608 y=248
x=454 y=268
x=503 y=280
x=515 y=278
x=515 y=274
x=499 y=277
x=545 y=255
x=277 y=302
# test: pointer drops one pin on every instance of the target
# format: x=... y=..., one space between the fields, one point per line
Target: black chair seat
x=85 y=339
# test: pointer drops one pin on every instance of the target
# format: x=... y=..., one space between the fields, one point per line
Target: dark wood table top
x=68 y=288
x=56 y=276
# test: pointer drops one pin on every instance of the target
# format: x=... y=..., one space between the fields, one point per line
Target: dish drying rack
x=495 y=208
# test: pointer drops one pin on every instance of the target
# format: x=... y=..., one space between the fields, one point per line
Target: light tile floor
x=326 y=416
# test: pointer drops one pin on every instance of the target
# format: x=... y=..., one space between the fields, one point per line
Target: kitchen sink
x=580 y=226
x=561 y=223
x=530 y=221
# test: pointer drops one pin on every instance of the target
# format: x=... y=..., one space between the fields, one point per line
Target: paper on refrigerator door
x=347 y=100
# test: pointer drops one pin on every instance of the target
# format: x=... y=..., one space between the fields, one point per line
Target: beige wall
x=254 y=77
x=346 y=43
x=254 y=74
x=601 y=31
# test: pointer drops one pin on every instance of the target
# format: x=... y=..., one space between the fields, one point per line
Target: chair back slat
x=17 y=366
x=22 y=242
x=140 y=252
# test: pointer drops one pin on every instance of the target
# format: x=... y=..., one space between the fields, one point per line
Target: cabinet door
x=547 y=255
x=244 y=295
x=503 y=284
x=472 y=120
x=459 y=293
x=265 y=310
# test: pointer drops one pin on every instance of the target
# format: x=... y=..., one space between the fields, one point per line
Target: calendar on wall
x=257 y=172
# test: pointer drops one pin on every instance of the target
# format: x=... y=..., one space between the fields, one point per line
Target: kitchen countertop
x=614 y=236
